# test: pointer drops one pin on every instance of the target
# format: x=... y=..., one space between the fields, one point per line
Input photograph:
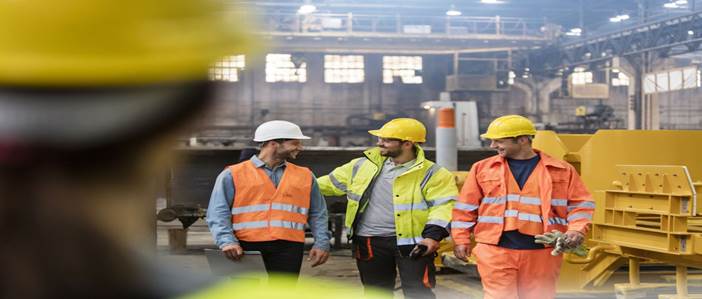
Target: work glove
x=557 y=240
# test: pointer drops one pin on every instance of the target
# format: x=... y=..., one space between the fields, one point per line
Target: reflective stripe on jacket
x=262 y=212
x=422 y=195
x=564 y=200
x=523 y=206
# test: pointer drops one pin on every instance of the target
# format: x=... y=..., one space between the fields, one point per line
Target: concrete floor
x=340 y=267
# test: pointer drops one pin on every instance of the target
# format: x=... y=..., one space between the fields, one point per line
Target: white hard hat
x=278 y=129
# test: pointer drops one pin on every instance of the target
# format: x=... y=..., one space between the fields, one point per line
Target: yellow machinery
x=645 y=185
x=645 y=188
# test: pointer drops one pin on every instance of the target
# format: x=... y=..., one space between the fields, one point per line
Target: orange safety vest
x=523 y=210
x=262 y=212
x=553 y=195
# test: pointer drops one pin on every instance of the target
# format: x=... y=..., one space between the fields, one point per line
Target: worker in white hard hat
x=264 y=203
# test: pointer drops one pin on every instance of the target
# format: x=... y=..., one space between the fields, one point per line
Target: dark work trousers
x=279 y=256
x=378 y=260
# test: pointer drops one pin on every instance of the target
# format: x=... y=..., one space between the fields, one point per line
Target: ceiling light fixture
x=306 y=9
x=619 y=18
x=453 y=12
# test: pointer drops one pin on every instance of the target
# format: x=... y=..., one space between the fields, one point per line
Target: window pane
x=650 y=83
x=280 y=68
x=407 y=68
x=690 y=77
x=228 y=68
x=662 y=82
x=343 y=69
x=676 y=82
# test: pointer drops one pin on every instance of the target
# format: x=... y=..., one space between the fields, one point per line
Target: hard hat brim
x=517 y=134
x=303 y=137
x=375 y=133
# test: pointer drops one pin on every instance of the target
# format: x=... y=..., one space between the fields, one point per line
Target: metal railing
x=339 y=24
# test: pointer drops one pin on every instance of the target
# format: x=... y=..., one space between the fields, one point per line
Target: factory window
x=579 y=78
x=343 y=69
x=284 y=68
x=649 y=83
x=228 y=69
x=620 y=79
x=675 y=80
x=662 y=82
x=407 y=68
x=691 y=77
x=672 y=80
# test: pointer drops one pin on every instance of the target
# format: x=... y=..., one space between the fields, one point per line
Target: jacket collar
x=260 y=164
x=373 y=154
x=545 y=158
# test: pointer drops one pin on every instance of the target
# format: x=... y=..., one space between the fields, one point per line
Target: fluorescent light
x=427 y=107
x=306 y=9
x=681 y=2
x=670 y=5
x=574 y=32
x=690 y=32
x=491 y=1
x=619 y=18
x=453 y=12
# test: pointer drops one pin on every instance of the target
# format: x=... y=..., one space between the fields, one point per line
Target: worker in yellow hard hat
x=508 y=202
x=399 y=208
x=92 y=93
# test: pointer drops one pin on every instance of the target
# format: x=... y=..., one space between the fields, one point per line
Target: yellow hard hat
x=408 y=129
x=509 y=126
x=107 y=42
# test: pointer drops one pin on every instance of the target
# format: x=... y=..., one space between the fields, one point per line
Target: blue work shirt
x=219 y=213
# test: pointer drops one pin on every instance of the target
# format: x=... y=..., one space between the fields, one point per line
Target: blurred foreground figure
x=92 y=92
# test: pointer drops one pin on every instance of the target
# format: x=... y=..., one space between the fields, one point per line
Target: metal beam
x=658 y=36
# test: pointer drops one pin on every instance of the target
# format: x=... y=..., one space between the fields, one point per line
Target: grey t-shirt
x=378 y=220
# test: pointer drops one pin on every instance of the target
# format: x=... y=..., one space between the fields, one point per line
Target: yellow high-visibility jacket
x=423 y=195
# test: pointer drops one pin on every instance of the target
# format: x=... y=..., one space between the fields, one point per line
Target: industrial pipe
x=446 y=140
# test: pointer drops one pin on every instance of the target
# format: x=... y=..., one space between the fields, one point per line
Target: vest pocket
x=490 y=186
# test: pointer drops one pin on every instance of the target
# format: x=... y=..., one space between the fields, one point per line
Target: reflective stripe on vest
x=265 y=207
x=491 y=219
x=557 y=220
x=273 y=223
x=465 y=207
x=557 y=202
x=523 y=207
x=577 y=216
x=262 y=212
x=339 y=185
x=440 y=201
x=356 y=166
x=582 y=205
x=462 y=224
x=409 y=241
